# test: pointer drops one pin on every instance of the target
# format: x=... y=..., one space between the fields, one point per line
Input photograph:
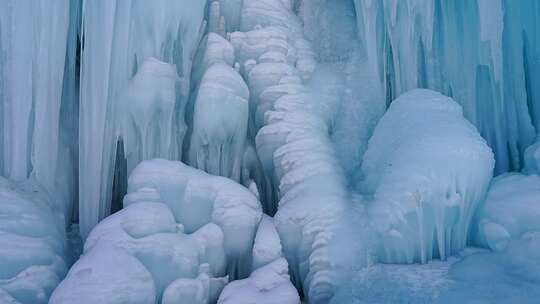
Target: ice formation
x=268 y=284
x=32 y=243
x=300 y=142
x=511 y=209
x=424 y=201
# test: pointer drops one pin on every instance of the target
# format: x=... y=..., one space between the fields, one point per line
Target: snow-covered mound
x=511 y=209
x=32 y=244
x=427 y=169
x=138 y=254
x=269 y=284
x=196 y=198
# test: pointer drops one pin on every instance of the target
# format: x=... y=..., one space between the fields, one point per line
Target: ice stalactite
x=113 y=52
x=150 y=100
x=490 y=74
x=219 y=113
x=33 y=42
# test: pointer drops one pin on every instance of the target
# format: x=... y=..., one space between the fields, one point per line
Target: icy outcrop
x=268 y=284
x=196 y=199
x=32 y=243
x=118 y=38
x=149 y=106
x=155 y=257
x=511 y=209
x=220 y=121
x=427 y=169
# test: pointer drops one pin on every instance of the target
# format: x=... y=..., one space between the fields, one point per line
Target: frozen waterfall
x=269 y=151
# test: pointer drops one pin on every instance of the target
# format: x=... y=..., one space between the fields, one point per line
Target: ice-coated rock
x=32 y=243
x=427 y=169
x=197 y=198
x=511 y=209
x=220 y=121
x=268 y=284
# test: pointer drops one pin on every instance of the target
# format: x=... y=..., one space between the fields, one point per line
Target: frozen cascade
x=33 y=44
x=284 y=102
x=165 y=30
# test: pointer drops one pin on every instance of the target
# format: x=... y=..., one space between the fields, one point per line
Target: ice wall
x=33 y=45
x=118 y=36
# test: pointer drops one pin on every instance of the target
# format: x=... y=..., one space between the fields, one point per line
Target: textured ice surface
x=473 y=276
x=511 y=209
x=427 y=169
x=197 y=198
x=268 y=284
x=156 y=258
x=32 y=243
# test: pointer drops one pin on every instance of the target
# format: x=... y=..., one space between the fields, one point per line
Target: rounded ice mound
x=148 y=233
x=511 y=209
x=427 y=169
x=32 y=244
x=150 y=101
x=266 y=285
x=197 y=198
x=108 y=275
